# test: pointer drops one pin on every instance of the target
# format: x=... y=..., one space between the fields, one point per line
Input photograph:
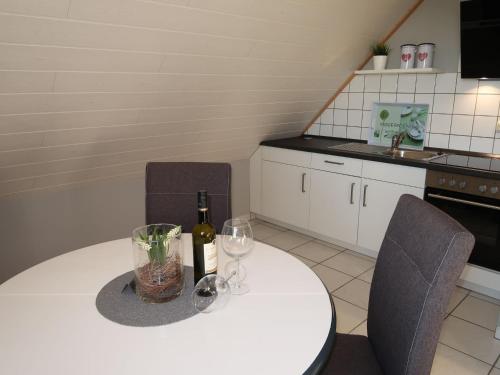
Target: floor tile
x=315 y=251
x=331 y=278
x=478 y=311
x=367 y=276
x=356 y=292
x=495 y=371
x=362 y=329
x=470 y=339
x=287 y=240
x=348 y=315
x=350 y=263
x=306 y=261
x=497 y=365
x=449 y=361
x=271 y=225
x=486 y=298
x=458 y=296
x=262 y=232
x=336 y=247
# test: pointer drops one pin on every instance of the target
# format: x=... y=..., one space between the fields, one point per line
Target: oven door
x=481 y=216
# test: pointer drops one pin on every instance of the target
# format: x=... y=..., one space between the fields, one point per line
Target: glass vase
x=158 y=262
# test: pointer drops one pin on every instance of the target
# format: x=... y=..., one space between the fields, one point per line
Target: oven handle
x=470 y=203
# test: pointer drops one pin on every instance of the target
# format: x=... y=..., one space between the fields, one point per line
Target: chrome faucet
x=396 y=141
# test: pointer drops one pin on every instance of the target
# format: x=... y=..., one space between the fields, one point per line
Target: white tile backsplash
x=389 y=83
x=466 y=86
x=443 y=103
x=463 y=113
x=481 y=144
x=354 y=117
x=356 y=100
x=439 y=140
x=445 y=83
x=342 y=101
x=340 y=131
x=440 y=123
x=372 y=83
x=326 y=130
x=461 y=125
x=340 y=117
x=484 y=126
x=465 y=104
x=459 y=142
x=425 y=83
x=327 y=117
x=357 y=84
x=369 y=98
x=406 y=83
x=487 y=105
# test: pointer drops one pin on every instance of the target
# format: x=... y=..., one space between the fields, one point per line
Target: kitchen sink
x=383 y=150
x=412 y=154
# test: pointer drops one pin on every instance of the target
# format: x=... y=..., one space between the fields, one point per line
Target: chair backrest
x=171 y=190
x=422 y=255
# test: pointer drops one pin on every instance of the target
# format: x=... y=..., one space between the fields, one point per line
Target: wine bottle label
x=210 y=254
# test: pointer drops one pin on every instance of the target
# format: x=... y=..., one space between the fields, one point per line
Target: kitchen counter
x=322 y=145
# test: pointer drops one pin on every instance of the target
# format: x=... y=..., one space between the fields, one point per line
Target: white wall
x=38 y=225
x=93 y=88
x=464 y=112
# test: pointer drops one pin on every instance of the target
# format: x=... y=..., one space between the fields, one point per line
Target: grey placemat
x=121 y=305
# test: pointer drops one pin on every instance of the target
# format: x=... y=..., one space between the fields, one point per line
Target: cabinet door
x=378 y=201
x=285 y=193
x=334 y=205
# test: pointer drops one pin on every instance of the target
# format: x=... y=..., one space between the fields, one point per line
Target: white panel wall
x=95 y=88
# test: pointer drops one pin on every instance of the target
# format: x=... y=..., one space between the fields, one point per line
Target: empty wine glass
x=211 y=293
x=237 y=241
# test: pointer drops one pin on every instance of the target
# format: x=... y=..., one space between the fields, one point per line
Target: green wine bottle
x=204 y=249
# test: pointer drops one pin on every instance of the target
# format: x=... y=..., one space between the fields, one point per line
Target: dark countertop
x=321 y=145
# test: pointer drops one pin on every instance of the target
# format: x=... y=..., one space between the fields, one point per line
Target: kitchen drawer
x=337 y=164
x=281 y=155
x=398 y=174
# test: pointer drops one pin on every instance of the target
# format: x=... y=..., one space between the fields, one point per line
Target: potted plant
x=158 y=264
x=380 y=52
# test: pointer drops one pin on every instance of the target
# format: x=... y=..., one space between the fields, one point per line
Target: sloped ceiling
x=91 y=89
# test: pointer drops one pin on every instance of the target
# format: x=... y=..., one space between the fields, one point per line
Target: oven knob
x=452 y=182
x=442 y=181
x=462 y=184
x=494 y=189
x=482 y=188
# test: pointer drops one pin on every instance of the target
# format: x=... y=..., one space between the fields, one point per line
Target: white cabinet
x=334 y=205
x=285 y=193
x=378 y=201
x=345 y=200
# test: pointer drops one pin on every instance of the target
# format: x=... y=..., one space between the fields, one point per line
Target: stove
x=484 y=163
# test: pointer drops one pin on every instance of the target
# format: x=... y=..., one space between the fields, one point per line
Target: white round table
x=49 y=323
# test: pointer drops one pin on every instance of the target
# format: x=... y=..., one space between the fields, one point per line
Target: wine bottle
x=204 y=249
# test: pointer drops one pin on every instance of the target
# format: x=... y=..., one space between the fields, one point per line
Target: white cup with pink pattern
x=408 y=52
x=425 y=55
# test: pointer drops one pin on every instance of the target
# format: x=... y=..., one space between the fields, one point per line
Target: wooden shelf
x=399 y=71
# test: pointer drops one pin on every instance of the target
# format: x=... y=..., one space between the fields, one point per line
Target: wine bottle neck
x=203 y=216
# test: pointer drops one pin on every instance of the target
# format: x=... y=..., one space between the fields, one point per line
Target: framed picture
x=390 y=119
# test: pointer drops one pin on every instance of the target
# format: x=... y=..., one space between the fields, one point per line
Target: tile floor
x=467 y=344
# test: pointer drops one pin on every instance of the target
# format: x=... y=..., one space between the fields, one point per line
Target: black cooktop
x=484 y=163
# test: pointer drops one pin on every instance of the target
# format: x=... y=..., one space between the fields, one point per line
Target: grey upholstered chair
x=171 y=192
x=422 y=255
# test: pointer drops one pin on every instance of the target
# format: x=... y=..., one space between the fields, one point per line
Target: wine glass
x=237 y=241
x=211 y=293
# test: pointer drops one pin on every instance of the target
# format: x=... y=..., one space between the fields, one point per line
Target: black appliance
x=479 y=35
x=472 y=201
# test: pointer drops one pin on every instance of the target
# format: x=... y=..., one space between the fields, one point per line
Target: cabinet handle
x=334 y=162
x=303 y=182
x=351 y=199
x=364 y=195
